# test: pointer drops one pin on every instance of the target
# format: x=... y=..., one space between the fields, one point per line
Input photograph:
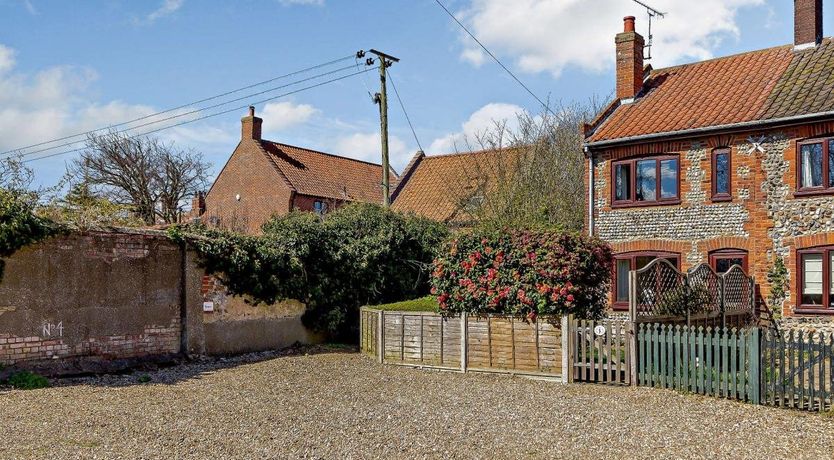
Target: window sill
x=619 y=306
x=644 y=204
x=820 y=192
x=721 y=198
x=813 y=310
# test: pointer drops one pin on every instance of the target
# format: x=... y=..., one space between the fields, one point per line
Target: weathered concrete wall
x=102 y=301
x=95 y=301
x=235 y=326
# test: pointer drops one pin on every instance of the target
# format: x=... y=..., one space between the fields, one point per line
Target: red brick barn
x=264 y=178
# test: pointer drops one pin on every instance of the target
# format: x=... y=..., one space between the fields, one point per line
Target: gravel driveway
x=335 y=404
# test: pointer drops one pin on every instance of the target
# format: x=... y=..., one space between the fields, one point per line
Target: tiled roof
x=326 y=175
x=762 y=85
x=439 y=185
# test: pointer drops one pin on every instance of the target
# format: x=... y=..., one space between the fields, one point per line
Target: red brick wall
x=263 y=192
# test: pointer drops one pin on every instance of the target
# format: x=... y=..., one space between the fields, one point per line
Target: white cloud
x=482 y=120
x=366 y=146
x=279 y=116
x=6 y=59
x=168 y=7
x=30 y=7
x=56 y=102
x=301 y=2
x=550 y=35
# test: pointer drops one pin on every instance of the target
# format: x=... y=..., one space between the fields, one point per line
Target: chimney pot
x=251 y=110
x=807 y=19
x=628 y=24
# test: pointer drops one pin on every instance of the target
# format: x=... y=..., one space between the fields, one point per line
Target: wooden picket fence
x=599 y=351
x=798 y=370
x=716 y=362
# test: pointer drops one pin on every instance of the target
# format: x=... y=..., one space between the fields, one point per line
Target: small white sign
x=208 y=307
x=599 y=330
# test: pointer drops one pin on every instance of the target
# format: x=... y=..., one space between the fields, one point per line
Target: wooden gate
x=798 y=370
x=599 y=351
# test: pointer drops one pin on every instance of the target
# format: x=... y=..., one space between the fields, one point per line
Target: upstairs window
x=815 y=169
x=721 y=175
x=646 y=181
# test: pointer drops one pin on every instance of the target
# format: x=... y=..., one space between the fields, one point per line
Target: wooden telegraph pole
x=381 y=98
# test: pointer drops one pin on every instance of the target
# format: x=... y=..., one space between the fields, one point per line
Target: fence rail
x=716 y=362
x=798 y=370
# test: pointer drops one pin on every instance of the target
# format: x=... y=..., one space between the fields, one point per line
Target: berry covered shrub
x=523 y=272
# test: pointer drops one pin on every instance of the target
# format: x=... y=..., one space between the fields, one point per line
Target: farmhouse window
x=816 y=292
x=723 y=259
x=626 y=262
x=815 y=169
x=646 y=181
x=721 y=175
x=320 y=207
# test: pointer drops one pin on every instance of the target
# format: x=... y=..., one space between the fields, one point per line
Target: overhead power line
x=546 y=107
x=189 y=104
x=262 y=101
x=402 y=106
x=191 y=112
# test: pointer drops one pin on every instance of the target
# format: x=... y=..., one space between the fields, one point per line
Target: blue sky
x=72 y=66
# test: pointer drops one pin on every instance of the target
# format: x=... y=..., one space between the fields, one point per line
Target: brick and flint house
x=264 y=178
x=725 y=161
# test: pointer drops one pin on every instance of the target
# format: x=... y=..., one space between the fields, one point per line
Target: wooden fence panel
x=797 y=370
x=490 y=343
x=717 y=362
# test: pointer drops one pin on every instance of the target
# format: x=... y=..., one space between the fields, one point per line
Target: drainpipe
x=590 y=191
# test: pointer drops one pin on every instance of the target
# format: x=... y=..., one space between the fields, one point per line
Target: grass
x=427 y=303
x=26 y=380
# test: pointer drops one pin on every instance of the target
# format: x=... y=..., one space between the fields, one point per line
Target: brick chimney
x=807 y=23
x=629 y=61
x=198 y=205
x=250 y=126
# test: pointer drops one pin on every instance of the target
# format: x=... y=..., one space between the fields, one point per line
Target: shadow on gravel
x=184 y=369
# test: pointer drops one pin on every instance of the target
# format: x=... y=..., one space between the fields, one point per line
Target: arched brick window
x=722 y=259
x=628 y=261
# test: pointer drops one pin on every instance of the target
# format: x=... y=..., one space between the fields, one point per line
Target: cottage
x=264 y=178
x=451 y=188
x=725 y=161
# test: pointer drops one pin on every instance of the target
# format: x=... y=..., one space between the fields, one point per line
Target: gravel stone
x=334 y=403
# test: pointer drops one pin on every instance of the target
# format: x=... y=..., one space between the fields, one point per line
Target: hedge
x=523 y=272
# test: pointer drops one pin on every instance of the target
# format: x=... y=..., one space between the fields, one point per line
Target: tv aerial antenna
x=652 y=12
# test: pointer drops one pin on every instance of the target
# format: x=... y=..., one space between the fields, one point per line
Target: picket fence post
x=755 y=368
x=380 y=331
x=567 y=349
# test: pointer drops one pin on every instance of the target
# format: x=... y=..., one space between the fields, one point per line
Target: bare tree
x=530 y=175
x=153 y=178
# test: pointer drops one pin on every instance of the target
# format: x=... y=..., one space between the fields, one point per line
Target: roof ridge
x=322 y=153
x=719 y=58
x=473 y=152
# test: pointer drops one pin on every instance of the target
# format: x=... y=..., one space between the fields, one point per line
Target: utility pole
x=381 y=98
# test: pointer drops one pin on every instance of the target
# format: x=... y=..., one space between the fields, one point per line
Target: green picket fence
x=798 y=370
x=716 y=362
